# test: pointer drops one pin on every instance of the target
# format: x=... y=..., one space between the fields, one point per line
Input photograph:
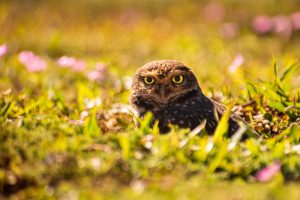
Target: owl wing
x=221 y=109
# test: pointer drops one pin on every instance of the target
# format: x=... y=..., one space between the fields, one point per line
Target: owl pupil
x=148 y=80
x=177 y=78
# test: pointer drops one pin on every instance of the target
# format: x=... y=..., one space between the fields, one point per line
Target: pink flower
x=77 y=122
x=98 y=74
x=79 y=65
x=32 y=62
x=295 y=19
x=3 y=50
x=262 y=24
x=268 y=172
x=70 y=62
x=282 y=25
x=236 y=63
x=230 y=30
x=94 y=75
x=214 y=12
x=66 y=61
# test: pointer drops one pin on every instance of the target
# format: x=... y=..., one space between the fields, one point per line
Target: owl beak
x=162 y=91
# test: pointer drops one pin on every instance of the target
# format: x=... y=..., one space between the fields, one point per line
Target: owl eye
x=149 y=80
x=177 y=79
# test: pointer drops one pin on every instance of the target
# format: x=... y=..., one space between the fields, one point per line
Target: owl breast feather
x=186 y=112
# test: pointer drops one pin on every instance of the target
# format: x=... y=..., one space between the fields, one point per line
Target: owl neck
x=145 y=105
x=189 y=95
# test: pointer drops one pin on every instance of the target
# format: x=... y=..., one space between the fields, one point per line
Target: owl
x=170 y=91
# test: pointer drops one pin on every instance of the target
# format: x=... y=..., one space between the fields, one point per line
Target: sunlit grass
x=66 y=131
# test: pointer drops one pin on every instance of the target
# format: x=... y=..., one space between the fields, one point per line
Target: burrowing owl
x=170 y=90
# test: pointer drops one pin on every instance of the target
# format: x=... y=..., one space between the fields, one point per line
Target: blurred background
x=215 y=38
x=64 y=63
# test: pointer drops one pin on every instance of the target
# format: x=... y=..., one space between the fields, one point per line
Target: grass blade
x=222 y=127
x=288 y=71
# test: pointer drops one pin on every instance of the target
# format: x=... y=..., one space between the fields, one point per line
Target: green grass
x=45 y=154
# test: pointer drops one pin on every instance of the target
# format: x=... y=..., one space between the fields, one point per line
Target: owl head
x=163 y=81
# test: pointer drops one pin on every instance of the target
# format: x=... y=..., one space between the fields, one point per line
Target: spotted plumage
x=170 y=90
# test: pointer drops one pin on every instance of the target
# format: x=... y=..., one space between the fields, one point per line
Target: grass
x=66 y=136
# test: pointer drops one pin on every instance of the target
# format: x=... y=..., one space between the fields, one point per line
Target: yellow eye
x=177 y=79
x=149 y=80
